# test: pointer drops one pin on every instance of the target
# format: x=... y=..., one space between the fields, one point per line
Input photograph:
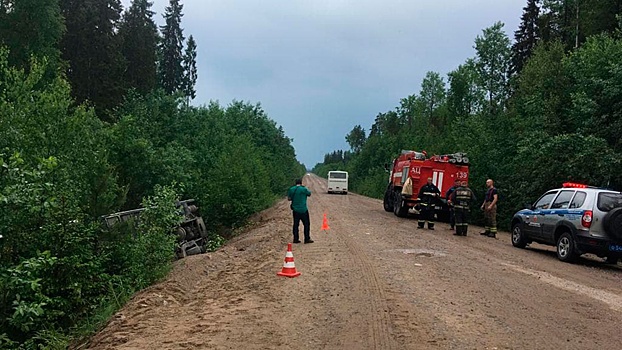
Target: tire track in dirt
x=378 y=308
x=380 y=326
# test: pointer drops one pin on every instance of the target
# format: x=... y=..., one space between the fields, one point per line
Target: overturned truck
x=192 y=236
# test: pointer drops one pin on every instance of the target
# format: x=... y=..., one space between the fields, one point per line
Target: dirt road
x=373 y=281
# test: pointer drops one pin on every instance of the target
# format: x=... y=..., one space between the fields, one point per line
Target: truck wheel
x=388 y=201
x=399 y=209
x=518 y=237
x=565 y=248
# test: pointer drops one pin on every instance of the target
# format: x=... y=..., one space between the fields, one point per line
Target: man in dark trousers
x=428 y=195
x=452 y=215
x=490 y=210
x=298 y=196
x=461 y=199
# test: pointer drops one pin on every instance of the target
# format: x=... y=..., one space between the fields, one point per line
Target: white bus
x=338 y=182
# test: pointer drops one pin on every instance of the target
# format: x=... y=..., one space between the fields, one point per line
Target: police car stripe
x=556 y=211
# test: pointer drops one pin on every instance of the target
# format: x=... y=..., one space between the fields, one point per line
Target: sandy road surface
x=373 y=281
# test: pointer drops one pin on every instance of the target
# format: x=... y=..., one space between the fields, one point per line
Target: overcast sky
x=320 y=67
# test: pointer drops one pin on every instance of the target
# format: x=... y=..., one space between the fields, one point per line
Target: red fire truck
x=417 y=166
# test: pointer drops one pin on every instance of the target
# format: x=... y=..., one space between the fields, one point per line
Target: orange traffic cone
x=289 y=270
x=325 y=224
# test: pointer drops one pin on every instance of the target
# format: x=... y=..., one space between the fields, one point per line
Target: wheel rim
x=516 y=234
x=563 y=247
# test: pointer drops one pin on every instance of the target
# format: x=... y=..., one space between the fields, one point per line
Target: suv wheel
x=612 y=222
x=565 y=248
x=613 y=260
x=518 y=237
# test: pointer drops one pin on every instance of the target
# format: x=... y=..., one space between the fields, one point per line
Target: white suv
x=576 y=218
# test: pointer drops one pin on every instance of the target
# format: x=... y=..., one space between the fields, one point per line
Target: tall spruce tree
x=139 y=37
x=526 y=37
x=171 y=70
x=598 y=16
x=573 y=21
x=31 y=28
x=92 y=49
x=190 y=70
x=556 y=21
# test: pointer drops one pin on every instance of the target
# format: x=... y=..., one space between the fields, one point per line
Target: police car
x=577 y=219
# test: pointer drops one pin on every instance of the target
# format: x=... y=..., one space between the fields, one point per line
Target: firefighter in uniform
x=461 y=198
x=490 y=210
x=452 y=216
x=428 y=195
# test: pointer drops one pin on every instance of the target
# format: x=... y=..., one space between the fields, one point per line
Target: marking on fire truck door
x=437 y=179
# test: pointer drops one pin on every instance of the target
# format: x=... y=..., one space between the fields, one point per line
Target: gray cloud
x=321 y=67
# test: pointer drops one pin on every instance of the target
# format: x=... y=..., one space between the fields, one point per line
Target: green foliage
x=215 y=241
x=190 y=70
x=526 y=37
x=573 y=21
x=61 y=168
x=493 y=61
x=542 y=96
x=432 y=98
x=32 y=28
x=22 y=288
x=139 y=38
x=464 y=97
x=95 y=73
x=595 y=71
x=356 y=138
x=239 y=183
x=374 y=184
x=154 y=243
x=171 y=70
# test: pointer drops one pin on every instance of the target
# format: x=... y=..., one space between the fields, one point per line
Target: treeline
x=92 y=122
x=103 y=51
x=531 y=113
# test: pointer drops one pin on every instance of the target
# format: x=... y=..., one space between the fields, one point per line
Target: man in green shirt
x=298 y=196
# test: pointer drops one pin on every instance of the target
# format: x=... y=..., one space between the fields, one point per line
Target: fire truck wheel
x=399 y=208
x=387 y=202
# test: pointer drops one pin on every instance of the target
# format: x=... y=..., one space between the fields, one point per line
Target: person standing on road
x=490 y=210
x=461 y=199
x=452 y=216
x=427 y=201
x=298 y=194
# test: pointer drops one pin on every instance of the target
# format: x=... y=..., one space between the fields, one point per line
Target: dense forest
x=530 y=113
x=95 y=117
